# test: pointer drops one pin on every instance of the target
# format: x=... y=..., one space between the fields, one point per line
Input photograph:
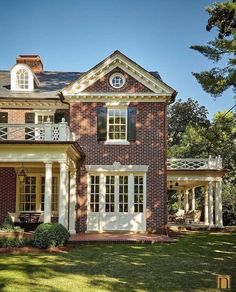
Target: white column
x=179 y=199
x=102 y=191
x=218 y=204
x=72 y=212
x=186 y=203
x=210 y=205
x=63 y=194
x=48 y=193
x=193 y=199
x=206 y=219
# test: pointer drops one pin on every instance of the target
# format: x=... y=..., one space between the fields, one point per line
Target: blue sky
x=74 y=35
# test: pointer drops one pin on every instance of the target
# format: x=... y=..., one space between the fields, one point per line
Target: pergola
x=185 y=175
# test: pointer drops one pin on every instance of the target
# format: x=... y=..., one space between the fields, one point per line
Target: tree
x=182 y=114
x=218 y=79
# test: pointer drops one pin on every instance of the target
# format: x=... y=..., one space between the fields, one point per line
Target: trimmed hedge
x=12 y=242
x=50 y=235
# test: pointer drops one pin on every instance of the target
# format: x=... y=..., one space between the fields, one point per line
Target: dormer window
x=22 y=78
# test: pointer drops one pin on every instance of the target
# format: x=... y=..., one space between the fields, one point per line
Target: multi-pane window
x=28 y=194
x=54 y=200
x=138 y=194
x=110 y=194
x=22 y=79
x=123 y=193
x=117 y=124
x=94 y=193
x=44 y=118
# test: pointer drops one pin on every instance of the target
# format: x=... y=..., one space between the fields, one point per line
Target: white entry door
x=117 y=203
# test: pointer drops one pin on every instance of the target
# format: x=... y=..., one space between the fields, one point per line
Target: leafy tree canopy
x=218 y=79
x=183 y=114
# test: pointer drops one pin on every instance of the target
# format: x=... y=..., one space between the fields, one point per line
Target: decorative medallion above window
x=117 y=80
x=22 y=78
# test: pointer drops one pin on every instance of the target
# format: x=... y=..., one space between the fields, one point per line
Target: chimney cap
x=32 y=60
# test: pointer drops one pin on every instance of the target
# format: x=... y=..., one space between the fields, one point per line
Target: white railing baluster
x=30 y=132
x=188 y=163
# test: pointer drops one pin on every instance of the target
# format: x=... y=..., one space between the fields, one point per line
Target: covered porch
x=184 y=177
x=47 y=193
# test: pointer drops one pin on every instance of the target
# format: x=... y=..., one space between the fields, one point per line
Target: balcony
x=36 y=132
x=189 y=164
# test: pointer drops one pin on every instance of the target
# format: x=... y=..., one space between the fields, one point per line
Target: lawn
x=191 y=264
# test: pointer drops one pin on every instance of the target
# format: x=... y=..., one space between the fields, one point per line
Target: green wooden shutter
x=131 y=128
x=29 y=119
x=58 y=117
x=101 y=124
x=3 y=120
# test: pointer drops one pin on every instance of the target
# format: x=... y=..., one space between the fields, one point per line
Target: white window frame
x=114 y=75
x=14 y=81
x=38 y=193
x=117 y=141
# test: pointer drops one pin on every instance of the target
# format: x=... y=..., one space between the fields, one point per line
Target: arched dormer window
x=22 y=78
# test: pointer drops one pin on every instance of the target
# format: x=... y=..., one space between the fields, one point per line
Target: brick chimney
x=33 y=61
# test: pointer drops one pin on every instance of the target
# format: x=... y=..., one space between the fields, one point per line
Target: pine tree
x=218 y=79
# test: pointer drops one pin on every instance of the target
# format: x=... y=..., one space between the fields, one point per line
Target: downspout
x=62 y=100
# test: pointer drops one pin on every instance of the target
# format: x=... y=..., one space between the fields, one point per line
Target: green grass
x=191 y=264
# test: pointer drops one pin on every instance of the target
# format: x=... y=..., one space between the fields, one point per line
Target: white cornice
x=121 y=97
x=33 y=104
x=118 y=60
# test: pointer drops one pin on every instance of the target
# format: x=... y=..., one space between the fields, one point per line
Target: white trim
x=116 y=142
x=114 y=75
x=117 y=167
x=29 y=104
x=14 y=71
x=118 y=60
x=114 y=97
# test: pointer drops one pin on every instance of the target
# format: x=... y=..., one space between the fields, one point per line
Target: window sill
x=110 y=142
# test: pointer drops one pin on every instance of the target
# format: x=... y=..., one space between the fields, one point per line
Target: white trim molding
x=117 y=167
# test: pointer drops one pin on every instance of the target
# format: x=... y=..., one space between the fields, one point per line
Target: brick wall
x=148 y=149
x=131 y=84
x=7 y=192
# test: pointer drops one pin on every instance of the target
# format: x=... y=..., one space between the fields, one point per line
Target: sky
x=75 y=35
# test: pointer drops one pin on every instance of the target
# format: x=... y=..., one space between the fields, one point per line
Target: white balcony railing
x=45 y=132
x=188 y=163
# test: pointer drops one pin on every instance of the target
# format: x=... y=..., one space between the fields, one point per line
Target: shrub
x=12 y=242
x=50 y=235
x=7 y=223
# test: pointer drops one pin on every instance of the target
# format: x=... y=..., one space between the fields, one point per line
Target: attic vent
x=33 y=61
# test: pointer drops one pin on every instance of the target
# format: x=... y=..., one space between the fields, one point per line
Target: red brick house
x=91 y=146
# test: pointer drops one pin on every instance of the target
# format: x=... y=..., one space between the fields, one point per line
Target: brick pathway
x=82 y=238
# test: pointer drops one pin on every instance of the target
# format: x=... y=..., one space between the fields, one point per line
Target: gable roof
x=151 y=80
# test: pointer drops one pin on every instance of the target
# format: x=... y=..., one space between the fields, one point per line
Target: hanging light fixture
x=171 y=185
x=22 y=174
x=176 y=184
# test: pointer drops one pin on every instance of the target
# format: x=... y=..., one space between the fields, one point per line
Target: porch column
x=63 y=194
x=179 y=199
x=48 y=193
x=72 y=201
x=186 y=203
x=218 y=205
x=210 y=208
x=193 y=199
x=206 y=218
